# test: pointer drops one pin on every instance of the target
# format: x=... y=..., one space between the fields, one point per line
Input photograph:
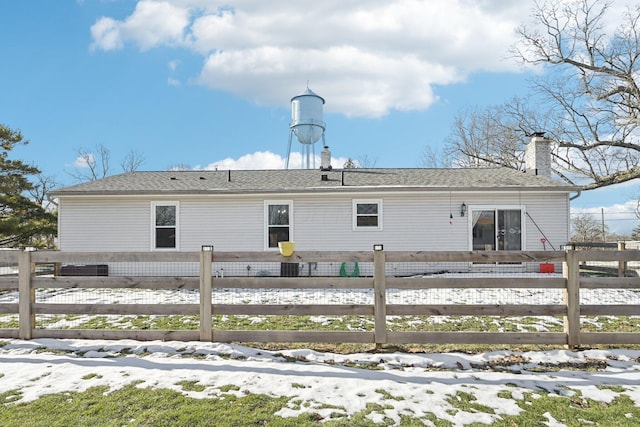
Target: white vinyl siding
x=229 y=224
x=103 y=224
x=323 y=222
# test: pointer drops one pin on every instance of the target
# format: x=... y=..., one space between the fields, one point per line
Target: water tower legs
x=286 y=163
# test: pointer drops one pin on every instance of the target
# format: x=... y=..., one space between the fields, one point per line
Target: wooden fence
x=570 y=283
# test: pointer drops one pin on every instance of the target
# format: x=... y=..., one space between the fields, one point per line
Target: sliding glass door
x=497 y=229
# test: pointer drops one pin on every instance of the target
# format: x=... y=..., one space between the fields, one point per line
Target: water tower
x=306 y=125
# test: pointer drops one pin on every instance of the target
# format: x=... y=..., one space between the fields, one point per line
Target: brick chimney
x=537 y=156
x=325 y=159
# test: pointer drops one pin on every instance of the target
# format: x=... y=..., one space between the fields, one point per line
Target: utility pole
x=604 y=237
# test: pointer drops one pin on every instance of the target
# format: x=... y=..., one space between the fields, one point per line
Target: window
x=367 y=214
x=278 y=219
x=497 y=229
x=165 y=225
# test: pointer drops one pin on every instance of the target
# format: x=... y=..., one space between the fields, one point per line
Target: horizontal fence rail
x=374 y=289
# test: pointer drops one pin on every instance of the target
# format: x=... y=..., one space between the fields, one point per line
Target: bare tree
x=431 y=158
x=366 y=161
x=132 y=161
x=585 y=228
x=180 y=167
x=496 y=135
x=587 y=98
x=40 y=189
x=91 y=165
x=595 y=92
x=350 y=164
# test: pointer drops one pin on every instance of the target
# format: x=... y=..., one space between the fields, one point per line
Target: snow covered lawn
x=453 y=388
x=327 y=384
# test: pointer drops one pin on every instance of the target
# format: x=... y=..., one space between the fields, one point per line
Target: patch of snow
x=416 y=383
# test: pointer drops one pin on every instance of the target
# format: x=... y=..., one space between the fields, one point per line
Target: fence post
x=379 y=295
x=26 y=296
x=571 y=272
x=206 y=328
x=622 y=265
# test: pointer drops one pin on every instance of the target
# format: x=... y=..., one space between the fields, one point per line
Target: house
x=323 y=209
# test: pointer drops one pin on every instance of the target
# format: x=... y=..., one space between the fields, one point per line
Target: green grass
x=331 y=323
x=293 y=323
x=388 y=396
x=191 y=386
x=133 y=406
x=466 y=402
x=141 y=407
x=575 y=411
x=90 y=376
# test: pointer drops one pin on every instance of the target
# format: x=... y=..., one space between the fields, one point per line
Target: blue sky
x=208 y=84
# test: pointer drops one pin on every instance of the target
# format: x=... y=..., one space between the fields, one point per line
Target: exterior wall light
x=378 y=247
x=207 y=248
x=463 y=209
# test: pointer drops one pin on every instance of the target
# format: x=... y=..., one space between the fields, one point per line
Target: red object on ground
x=547 y=268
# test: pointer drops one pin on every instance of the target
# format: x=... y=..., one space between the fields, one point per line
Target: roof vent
x=173 y=178
x=324 y=177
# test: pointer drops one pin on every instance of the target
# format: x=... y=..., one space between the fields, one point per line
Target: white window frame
x=154 y=205
x=495 y=208
x=268 y=203
x=354 y=210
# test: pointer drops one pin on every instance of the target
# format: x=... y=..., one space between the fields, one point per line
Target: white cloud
x=363 y=88
x=257 y=160
x=106 y=34
x=266 y=160
x=173 y=65
x=83 y=161
x=619 y=218
x=151 y=24
x=367 y=58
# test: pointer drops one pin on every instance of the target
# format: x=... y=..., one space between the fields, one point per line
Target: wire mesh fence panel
x=610 y=323
x=270 y=296
x=116 y=296
x=469 y=269
x=8 y=269
x=475 y=324
x=475 y=296
x=488 y=292
x=610 y=296
x=292 y=269
x=293 y=323
x=117 y=322
x=111 y=295
x=9 y=321
x=181 y=269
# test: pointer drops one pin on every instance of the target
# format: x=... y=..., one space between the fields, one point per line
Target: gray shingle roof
x=310 y=180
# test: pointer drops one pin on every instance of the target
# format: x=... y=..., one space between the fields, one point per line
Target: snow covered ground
x=415 y=384
x=418 y=383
